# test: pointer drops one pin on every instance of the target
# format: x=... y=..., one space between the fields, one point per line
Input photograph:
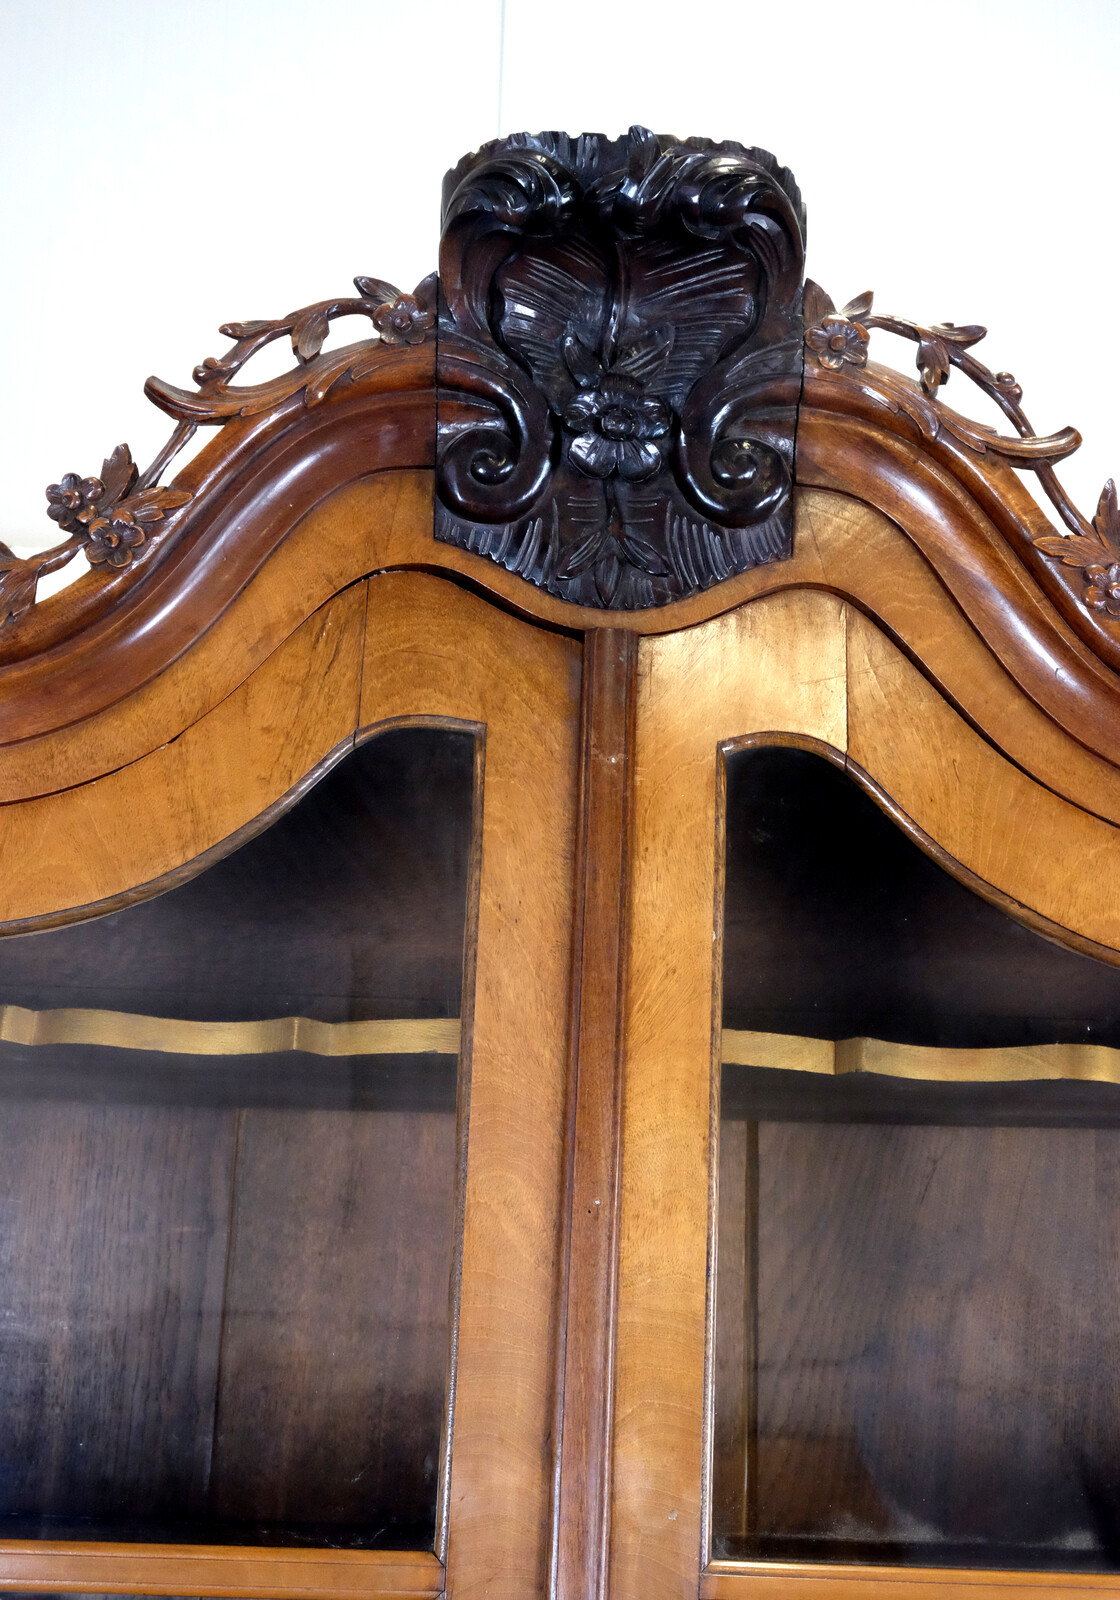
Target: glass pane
x=918 y=1266
x=227 y=1238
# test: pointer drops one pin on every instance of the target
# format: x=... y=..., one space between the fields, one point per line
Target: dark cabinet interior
x=917 y=1326
x=226 y=1268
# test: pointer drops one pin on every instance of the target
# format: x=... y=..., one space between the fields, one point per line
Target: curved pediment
x=540 y=380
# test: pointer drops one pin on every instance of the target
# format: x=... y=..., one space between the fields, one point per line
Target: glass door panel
x=917 y=1334
x=228 y=1181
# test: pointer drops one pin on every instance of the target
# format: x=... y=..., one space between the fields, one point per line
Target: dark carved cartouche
x=618 y=362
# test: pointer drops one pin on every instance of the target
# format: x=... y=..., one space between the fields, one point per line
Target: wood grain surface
x=385 y=520
x=790 y=1580
x=336 y=543
x=582 y=1517
x=111 y=1281
x=428 y=653
x=935 y=1344
x=68 y=1567
x=86 y=844
x=334 y=1354
x=434 y=650
x=795 y=665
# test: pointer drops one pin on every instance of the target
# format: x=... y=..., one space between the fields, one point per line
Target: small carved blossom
x=405 y=321
x=114 y=538
x=73 y=500
x=118 y=534
x=1103 y=591
x=838 y=342
x=617 y=429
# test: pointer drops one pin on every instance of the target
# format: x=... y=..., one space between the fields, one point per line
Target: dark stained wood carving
x=618 y=362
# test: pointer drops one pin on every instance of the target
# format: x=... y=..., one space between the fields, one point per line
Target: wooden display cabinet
x=560 y=1015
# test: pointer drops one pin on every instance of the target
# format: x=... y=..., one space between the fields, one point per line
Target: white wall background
x=167 y=165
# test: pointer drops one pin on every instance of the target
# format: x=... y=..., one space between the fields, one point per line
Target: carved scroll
x=618 y=362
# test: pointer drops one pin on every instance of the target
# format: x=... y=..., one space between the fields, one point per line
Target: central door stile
x=581 y=1517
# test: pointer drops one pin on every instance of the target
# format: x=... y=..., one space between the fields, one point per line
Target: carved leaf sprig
x=108 y=517
x=1096 y=554
x=109 y=520
x=19 y=577
x=398 y=320
x=935 y=347
x=838 y=339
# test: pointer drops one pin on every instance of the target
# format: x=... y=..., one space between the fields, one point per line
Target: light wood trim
x=326 y=551
x=977 y=807
x=91 y=843
x=801 y=667
x=789 y=1580
x=435 y=650
x=127 y=1030
x=779 y=663
x=1005 y=1064
x=62 y=1567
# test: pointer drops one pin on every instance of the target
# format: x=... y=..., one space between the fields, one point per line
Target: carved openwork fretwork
x=618 y=362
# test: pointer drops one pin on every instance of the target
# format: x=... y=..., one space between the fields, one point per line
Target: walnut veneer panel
x=340 y=540
x=979 y=808
x=102 y=839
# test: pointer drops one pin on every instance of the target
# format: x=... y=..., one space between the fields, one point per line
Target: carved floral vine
x=107 y=518
x=840 y=338
x=110 y=519
x=398 y=320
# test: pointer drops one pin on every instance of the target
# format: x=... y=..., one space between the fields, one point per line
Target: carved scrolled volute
x=618 y=363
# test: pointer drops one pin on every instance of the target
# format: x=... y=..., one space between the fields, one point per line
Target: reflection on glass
x=917 y=1353
x=226 y=1251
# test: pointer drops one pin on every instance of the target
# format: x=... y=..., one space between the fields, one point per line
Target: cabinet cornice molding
x=788 y=379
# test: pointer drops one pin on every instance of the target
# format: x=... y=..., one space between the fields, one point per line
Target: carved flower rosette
x=618 y=362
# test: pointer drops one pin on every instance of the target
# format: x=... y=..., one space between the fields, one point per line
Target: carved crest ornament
x=621 y=335
x=619 y=361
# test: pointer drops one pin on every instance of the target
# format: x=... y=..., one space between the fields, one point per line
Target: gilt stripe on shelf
x=1006 y=1064
x=124 y=1030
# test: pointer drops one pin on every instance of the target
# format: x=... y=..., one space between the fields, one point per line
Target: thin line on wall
x=501 y=61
